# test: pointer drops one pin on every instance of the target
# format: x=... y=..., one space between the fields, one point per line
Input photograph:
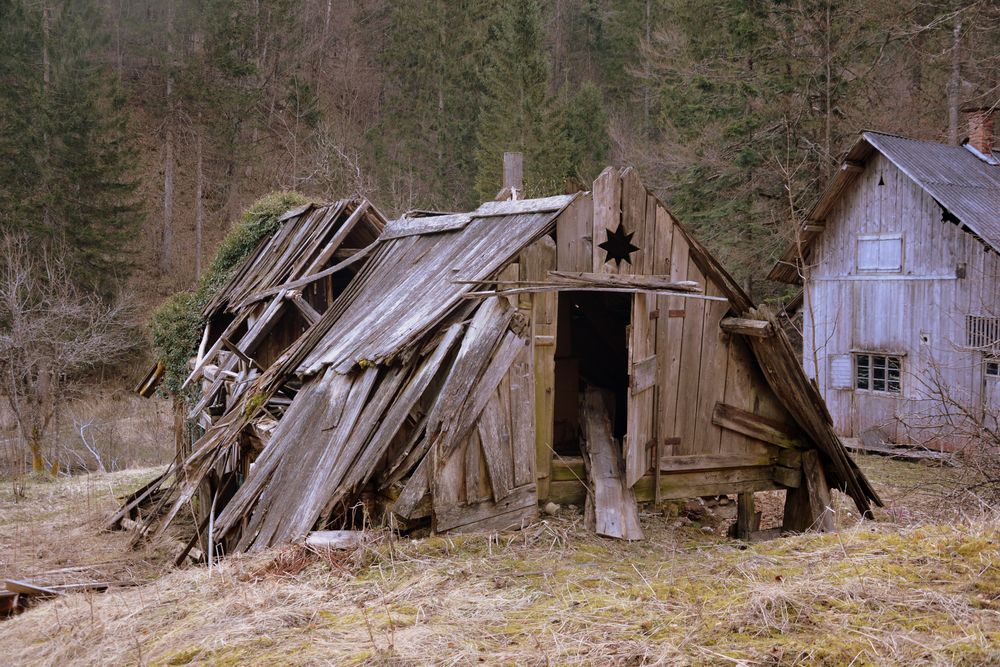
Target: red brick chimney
x=980 y=121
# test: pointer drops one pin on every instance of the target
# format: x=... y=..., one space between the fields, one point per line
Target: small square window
x=993 y=368
x=882 y=252
x=878 y=372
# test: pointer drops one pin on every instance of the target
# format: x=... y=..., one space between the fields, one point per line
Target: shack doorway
x=591 y=349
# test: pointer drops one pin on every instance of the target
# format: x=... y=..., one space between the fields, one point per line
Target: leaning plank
x=305 y=308
x=494 y=433
x=583 y=280
x=754 y=426
x=616 y=512
x=485 y=329
x=414 y=490
x=391 y=421
x=475 y=401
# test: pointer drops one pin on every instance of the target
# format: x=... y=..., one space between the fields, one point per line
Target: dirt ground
x=920 y=584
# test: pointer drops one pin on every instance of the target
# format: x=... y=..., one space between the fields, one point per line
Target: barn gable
x=457 y=375
x=901 y=268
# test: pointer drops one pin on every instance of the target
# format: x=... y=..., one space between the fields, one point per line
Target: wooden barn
x=581 y=348
x=901 y=314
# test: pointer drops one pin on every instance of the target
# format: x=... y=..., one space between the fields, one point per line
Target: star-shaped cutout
x=619 y=246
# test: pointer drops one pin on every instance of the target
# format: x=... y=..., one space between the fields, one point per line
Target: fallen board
x=616 y=513
x=902 y=453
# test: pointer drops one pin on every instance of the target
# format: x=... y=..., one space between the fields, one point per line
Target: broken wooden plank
x=754 y=426
x=747 y=327
x=28 y=588
x=902 y=453
x=335 y=539
x=453 y=517
x=809 y=506
x=495 y=436
x=311 y=315
x=414 y=490
x=616 y=512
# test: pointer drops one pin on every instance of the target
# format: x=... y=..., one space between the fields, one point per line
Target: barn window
x=982 y=332
x=883 y=252
x=877 y=372
x=993 y=368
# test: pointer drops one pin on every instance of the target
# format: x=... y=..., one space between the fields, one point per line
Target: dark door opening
x=591 y=348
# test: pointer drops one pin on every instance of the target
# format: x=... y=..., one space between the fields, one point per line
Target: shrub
x=176 y=326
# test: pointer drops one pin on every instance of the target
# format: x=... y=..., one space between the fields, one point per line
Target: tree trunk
x=167 y=231
x=955 y=82
x=46 y=83
x=199 y=210
x=35 y=446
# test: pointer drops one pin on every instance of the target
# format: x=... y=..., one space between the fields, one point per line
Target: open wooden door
x=640 y=439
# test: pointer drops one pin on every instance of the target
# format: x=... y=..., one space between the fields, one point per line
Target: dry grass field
x=919 y=585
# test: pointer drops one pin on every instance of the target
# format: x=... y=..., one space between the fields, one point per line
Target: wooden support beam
x=852 y=166
x=747 y=517
x=754 y=426
x=235 y=349
x=565 y=489
x=311 y=314
x=745 y=327
x=809 y=506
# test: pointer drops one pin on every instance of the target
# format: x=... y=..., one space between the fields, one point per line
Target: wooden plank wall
x=896 y=313
x=695 y=365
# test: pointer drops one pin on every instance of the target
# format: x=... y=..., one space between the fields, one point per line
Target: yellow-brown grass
x=877 y=592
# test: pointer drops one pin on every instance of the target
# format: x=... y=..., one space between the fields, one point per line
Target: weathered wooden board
x=574 y=236
x=615 y=509
x=536 y=261
x=495 y=436
x=809 y=507
x=607 y=217
x=689 y=388
x=670 y=347
x=754 y=426
x=677 y=486
x=521 y=502
x=523 y=418
x=639 y=441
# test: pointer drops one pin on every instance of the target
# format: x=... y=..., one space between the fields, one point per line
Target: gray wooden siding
x=919 y=313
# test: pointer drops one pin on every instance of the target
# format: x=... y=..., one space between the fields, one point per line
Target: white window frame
x=870 y=368
x=993 y=362
x=878 y=268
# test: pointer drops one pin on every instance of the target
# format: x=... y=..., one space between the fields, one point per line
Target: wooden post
x=747 y=518
x=513 y=174
x=807 y=507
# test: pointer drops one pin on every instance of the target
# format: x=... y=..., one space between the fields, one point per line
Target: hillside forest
x=133 y=132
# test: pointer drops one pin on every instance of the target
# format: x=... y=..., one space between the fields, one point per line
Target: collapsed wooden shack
x=581 y=348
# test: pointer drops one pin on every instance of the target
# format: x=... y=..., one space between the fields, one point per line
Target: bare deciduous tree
x=52 y=334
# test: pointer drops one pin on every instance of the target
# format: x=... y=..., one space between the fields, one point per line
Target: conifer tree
x=585 y=126
x=516 y=113
x=432 y=56
x=68 y=164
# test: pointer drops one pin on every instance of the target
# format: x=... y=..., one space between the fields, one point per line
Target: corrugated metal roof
x=963 y=183
x=960 y=181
